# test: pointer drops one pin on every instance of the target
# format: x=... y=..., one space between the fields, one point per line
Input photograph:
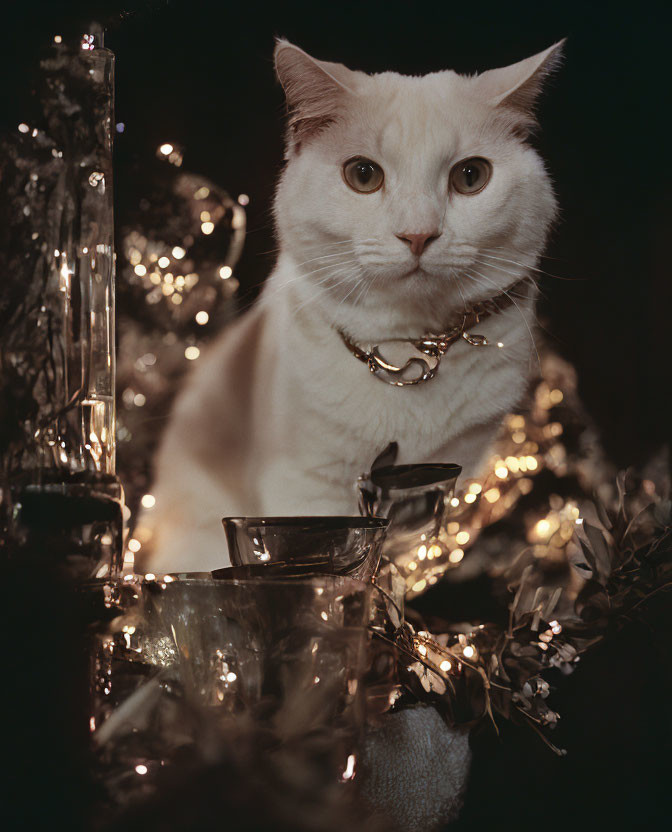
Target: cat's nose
x=418 y=242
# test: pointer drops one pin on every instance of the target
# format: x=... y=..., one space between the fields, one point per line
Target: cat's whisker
x=485 y=253
x=459 y=289
x=524 y=277
x=522 y=315
x=346 y=271
x=494 y=267
x=326 y=257
x=305 y=276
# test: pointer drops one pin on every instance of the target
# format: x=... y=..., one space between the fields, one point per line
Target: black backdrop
x=200 y=74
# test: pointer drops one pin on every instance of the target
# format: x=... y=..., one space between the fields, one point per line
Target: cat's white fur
x=279 y=418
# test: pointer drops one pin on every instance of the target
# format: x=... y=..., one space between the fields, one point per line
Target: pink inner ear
x=313 y=94
x=518 y=86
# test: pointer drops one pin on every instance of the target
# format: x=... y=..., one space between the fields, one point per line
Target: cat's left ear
x=518 y=86
x=315 y=91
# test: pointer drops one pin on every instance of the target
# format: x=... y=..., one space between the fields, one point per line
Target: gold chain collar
x=410 y=361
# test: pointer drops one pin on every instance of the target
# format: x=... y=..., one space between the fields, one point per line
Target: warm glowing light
x=422 y=552
x=518 y=436
x=205 y=216
x=456 y=556
x=168 y=579
x=512 y=464
x=140 y=270
x=150 y=576
x=208 y=227
x=141 y=769
x=454 y=502
x=422 y=649
x=23 y=128
x=419 y=586
x=462 y=538
x=469 y=651
x=134 y=545
x=192 y=353
x=500 y=344
x=556 y=396
x=139 y=400
x=475 y=488
x=202 y=317
x=453 y=528
x=178 y=252
x=324 y=616
x=231 y=676
x=445 y=665
x=412 y=566
x=225 y=272
x=492 y=495
x=164 y=262
x=434 y=551
x=532 y=463
x=469 y=498
x=349 y=772
x=502 y=472
x=148 y=501
x=166 y=149
x=58 y=39
x=542 y=528
x=243 y=199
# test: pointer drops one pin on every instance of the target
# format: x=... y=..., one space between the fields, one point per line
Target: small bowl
x=332 y=545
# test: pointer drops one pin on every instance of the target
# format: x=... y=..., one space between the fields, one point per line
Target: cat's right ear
x=314 y=90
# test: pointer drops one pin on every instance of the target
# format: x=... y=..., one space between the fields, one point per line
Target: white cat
x=404 y=201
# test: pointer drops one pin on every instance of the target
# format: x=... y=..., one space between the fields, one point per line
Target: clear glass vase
x=60 y=496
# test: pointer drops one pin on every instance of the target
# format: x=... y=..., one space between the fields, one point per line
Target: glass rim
x=259 y=581
x=417 y=475
x=336 y=521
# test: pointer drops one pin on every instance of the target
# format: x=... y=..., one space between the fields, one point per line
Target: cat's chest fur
x=331 y=416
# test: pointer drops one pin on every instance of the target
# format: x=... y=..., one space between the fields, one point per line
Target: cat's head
x=418 y=194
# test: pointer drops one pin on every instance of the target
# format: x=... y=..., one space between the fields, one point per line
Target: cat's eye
x=363 y=175
x=470 y=176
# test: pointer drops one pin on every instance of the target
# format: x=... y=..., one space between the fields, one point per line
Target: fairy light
x=178 y=252
x=166 y=149
x=492 y=495
x=225 y=272
x=349 y=771
x=192 y=353
x=202 y=317
x=148 y=501
x=207 y=227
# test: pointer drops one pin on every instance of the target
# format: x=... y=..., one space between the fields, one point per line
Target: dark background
x=200 y=75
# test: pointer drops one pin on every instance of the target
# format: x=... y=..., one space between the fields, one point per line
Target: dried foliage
x=474 y=670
